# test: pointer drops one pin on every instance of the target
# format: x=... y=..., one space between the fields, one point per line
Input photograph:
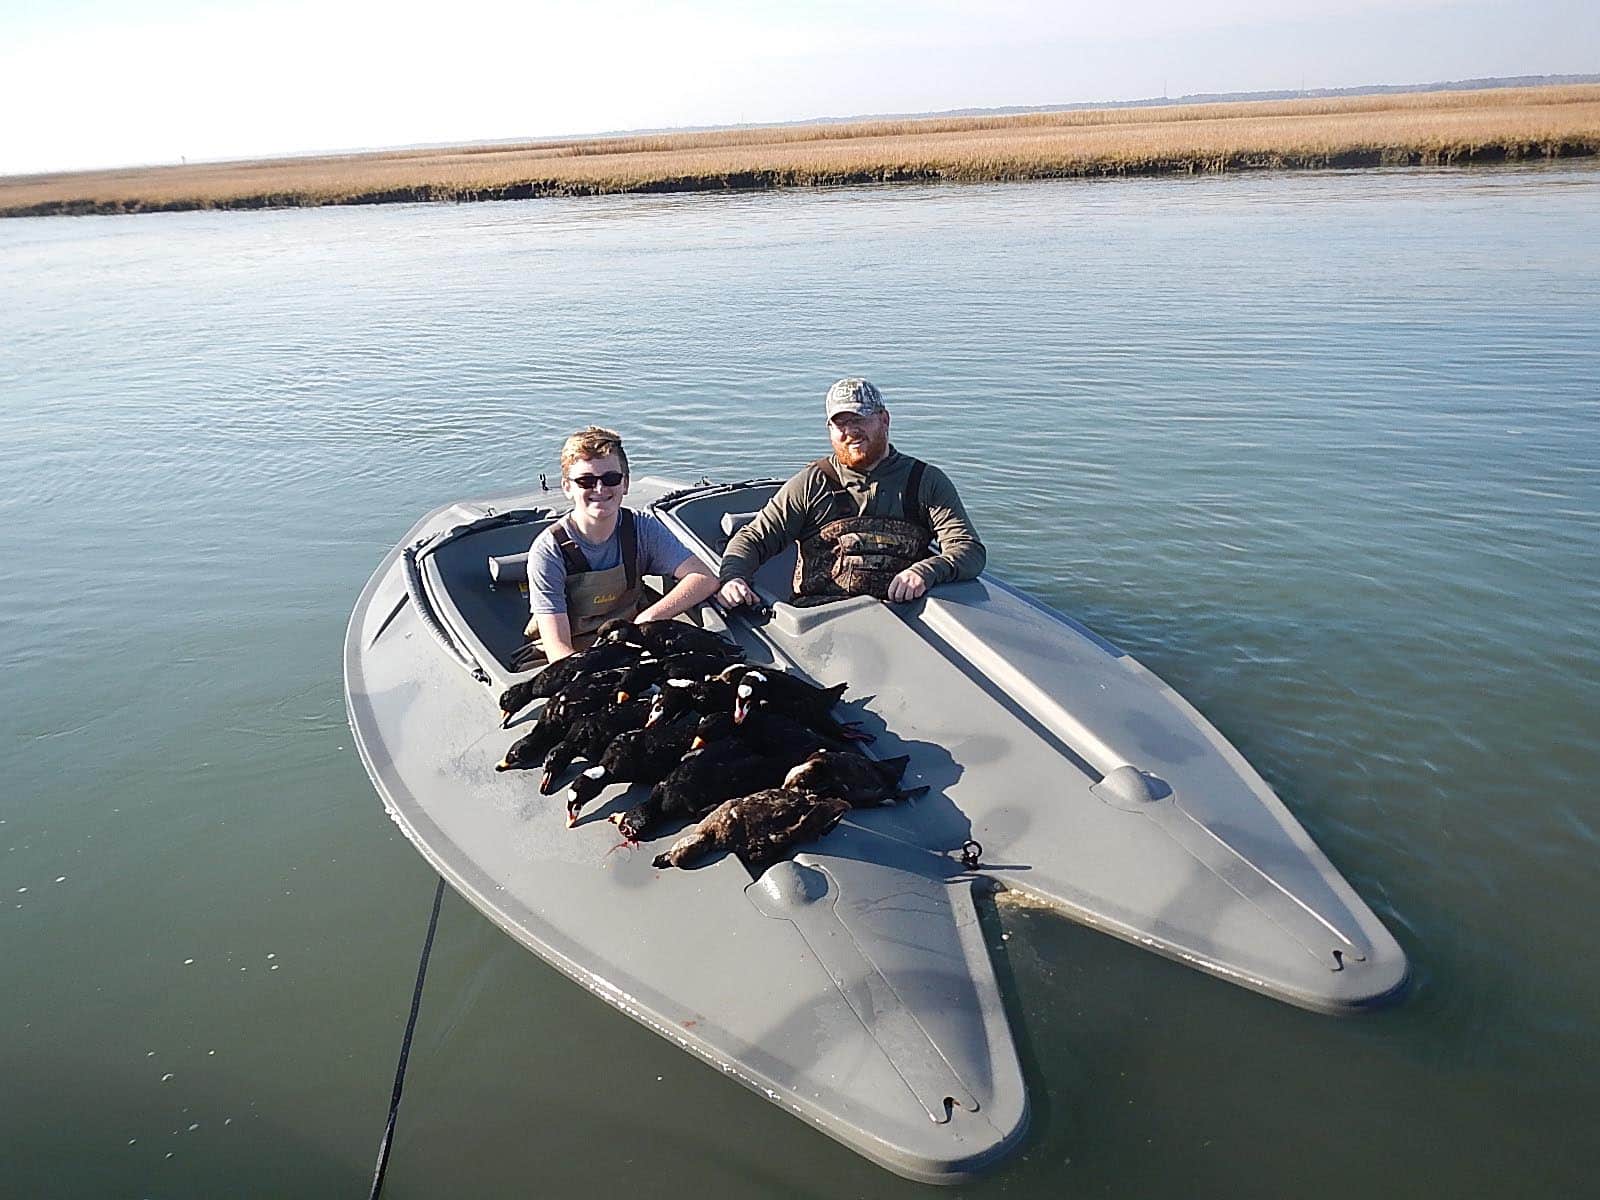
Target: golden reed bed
x=1361 y=131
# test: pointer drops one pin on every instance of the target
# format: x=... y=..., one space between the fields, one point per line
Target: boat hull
x=850 y=984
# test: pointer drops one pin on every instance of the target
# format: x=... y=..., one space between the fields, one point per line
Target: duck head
x=749 y=695
x=630 y=824
x=669 y=701
x=584 y=789
x=715 y=728
x=514 y=699
x=547 y=781
x=614 y=630
x=810 y=776
x=523 y=753
x=858 y=779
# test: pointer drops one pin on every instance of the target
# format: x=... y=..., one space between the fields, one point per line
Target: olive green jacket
x=807 y=502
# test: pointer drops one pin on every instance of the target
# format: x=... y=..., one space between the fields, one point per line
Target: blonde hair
x=593 y=442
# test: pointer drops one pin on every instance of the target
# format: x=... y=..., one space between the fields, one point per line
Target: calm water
x=1318 y=449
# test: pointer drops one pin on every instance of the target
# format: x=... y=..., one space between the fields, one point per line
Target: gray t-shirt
x=660 y=553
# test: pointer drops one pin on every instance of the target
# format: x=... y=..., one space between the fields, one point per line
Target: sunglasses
x=589 y=482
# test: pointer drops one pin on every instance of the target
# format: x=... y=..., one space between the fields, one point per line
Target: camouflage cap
x=854 y=396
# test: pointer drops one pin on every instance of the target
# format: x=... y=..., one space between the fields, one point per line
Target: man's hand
x=907 y=585
x=737 y=592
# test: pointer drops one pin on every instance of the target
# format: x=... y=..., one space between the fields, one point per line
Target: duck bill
x=547 y=783
x=699 y=743
x=741 y=710
x=502 y=765
x=505 y=719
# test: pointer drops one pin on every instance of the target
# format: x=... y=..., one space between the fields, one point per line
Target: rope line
x=405 y=1046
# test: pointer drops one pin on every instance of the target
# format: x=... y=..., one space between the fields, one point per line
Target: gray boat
x=850 y=983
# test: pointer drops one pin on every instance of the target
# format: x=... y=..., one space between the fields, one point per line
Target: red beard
x=869 y=451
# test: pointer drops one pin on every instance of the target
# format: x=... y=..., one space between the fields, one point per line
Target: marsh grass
x=1417 y=128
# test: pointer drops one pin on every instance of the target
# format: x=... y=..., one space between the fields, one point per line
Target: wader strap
x=910 y=502
x=577 y=564
x=630 y=548
x=825 y=465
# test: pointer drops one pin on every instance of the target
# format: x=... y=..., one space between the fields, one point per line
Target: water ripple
x=1318 y=449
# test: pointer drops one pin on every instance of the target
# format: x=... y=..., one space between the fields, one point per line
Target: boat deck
x=850 y=984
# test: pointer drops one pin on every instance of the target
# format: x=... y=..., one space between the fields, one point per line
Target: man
x=584 y=569
x=863 y=517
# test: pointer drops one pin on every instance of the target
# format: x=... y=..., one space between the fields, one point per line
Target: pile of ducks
x=752 y=755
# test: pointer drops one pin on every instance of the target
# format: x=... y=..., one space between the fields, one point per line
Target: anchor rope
x=405 y=1046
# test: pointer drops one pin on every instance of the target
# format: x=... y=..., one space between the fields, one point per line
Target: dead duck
x=530 y=749
x=766 y=732
x=703 y=779
x=588 y=737
x=665 y=637
x=579 y=699
x=679 y=696
x=694 y=665
x=776 y=691
x=638 y=756
x=516 y=698
x=861 y=781
x=585 y=662
x=758 y=827
x=787 y=693
x=590 y=694
x=618 y=683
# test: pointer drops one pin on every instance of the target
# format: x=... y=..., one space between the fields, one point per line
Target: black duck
x=588 y=737
x=665 y=637
x=777 y=691
x=585 y=662
x=701 y=781
x=862 y=781
x=639 y=756
x=766 y=732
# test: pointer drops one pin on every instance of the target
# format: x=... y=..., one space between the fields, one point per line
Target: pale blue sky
x=86 y=83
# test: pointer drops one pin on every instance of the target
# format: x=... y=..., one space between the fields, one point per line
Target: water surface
x=1317 y=448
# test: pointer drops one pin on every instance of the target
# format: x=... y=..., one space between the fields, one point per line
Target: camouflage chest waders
x=858 y=556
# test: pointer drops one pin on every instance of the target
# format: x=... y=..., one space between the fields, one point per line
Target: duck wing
x=772 y=821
